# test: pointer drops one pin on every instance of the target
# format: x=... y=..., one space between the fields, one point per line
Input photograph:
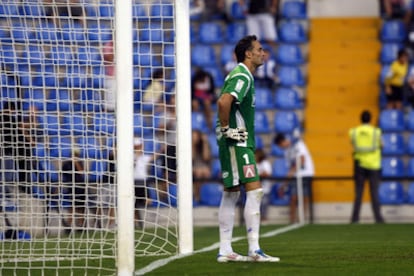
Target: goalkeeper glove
x=239 y=134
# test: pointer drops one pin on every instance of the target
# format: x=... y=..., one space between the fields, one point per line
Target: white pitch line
x=159 y=263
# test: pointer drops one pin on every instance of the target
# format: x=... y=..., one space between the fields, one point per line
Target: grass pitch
x=367 y=249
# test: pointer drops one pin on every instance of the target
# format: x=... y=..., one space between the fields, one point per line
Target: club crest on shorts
x=249 y=171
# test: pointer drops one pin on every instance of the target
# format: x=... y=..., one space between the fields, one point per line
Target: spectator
x=264 y=168
x=168 y=128
x=154 y=92
x=73 y=177
x=366 y=142
x=10 y=139
x=201 y=160
x=393 y=9
x=196 y=7
x=297 y=151
x=30 y=135
x=260 y=19
x=107 y=193
x=203 y=94
x=109 y=96
x=215 y=9
x=141 y=164
x=209 y=9
x=395 y=81
x=266 y=75
x=409 y=23
x=72 y=9
x=410 y=92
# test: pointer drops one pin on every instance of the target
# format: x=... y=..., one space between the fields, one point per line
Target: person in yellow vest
x=366 y=142
x=395 y=80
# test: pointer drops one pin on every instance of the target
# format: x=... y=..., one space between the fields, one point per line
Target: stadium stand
x=391 y=193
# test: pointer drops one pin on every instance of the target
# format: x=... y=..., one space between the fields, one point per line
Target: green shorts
x=238 y=165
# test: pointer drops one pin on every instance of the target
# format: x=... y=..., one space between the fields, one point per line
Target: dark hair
x=365 y=116
x=244 y=44
x=401 y=53
x=279 y=138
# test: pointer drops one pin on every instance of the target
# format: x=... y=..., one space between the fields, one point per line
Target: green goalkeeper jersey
x=240 y=84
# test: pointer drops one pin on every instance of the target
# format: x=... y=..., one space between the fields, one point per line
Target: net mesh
x=58 y=113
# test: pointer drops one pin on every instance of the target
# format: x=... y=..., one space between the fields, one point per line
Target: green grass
x=367 y=249
x=386 y=249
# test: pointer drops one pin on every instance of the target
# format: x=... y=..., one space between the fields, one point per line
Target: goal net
x=89 y=165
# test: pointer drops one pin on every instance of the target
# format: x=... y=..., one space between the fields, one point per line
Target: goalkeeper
x=236 y=141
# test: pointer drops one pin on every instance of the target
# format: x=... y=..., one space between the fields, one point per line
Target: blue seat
x=393 y=31
x=236 y=31
x=99 y=33
x=410 y=167
x=277 y=151
x=410 y=144
x=391 y=193
x=47 y=32
x=73 y=33
x=294 y=10
x=155 y=33
x=289 y=54
x=74 y=124
x=9 y=9
x=34 y=55
x=285 y=122
x=259 y=142
x=106 y=10
x=139 y=11
x=97 y=169
x=21 y=34
x=32 y=10
x=385 y=68
x=389 y=52
x=226 y=53
x=212 y=140
x=280 y=167
x=391 y=120
x=237 y=11
x=163 y=10
x=50 y=123
x=410 y=193
x=143 y=55
x=410 y=121
x=89 y=56
x=287 y=99
x=291 y=76
x=393 y=144
x=216 y=168
x=264 y=98
x=261 y=122
x=63 y=99
x=198 y=122
x=393 y=167
x=210 y=194
x=292 y=32
x=61 y=146
x=34 y=97
x=211 y=33
x=62 y=55
x=277 y=200
x=104 y=123
x=90 y=147
x=203 y=55
x=168 y=55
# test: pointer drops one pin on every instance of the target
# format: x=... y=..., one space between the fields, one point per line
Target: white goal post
x=70 y=150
